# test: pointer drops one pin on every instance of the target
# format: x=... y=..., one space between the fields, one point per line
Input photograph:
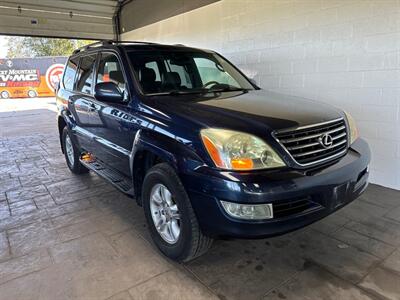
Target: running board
x=117 y=179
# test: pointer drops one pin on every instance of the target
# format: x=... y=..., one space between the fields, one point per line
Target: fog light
x=248 y=211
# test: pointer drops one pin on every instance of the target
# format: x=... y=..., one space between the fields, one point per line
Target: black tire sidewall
x=161 y=174
x=75 y=168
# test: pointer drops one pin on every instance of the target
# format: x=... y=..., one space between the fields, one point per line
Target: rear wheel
x=5 y=95
x=72 y=154
x=173 y=225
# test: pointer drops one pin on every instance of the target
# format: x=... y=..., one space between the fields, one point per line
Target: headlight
x=352 y=128
x=239 y=151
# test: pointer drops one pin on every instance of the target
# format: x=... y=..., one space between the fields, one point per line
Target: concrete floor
x=75 y=237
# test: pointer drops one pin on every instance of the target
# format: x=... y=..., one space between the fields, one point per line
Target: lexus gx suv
x=201 y=147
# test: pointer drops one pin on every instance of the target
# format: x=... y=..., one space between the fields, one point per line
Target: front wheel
x=170 y=216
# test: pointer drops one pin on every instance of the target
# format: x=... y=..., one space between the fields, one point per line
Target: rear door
x=82 y=100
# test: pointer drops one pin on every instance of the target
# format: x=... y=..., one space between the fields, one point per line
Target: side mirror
x=108 y=92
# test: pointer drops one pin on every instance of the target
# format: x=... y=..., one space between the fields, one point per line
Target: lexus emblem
x=326 y=140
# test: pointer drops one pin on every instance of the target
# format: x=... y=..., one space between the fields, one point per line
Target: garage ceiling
x=88 y=19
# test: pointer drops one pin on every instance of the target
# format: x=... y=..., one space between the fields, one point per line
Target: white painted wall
x=344 y=52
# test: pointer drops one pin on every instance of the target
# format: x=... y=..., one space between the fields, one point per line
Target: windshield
x=183 y=72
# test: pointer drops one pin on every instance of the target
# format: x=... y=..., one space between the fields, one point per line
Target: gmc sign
x=14 y=77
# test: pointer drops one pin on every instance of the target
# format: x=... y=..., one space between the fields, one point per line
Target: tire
x=5 y=95
x=191 y=242
x=32 y=94
x=72 y=158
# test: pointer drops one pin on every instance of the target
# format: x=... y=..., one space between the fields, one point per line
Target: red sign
x=53 y=75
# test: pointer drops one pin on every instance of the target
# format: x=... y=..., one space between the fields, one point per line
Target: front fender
x=180 y=155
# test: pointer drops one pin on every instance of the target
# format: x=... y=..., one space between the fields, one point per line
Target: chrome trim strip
x=314 y=144
x=319 y=150
x=102 y=141
x=303 y=146
x=313 y=136
x=340 y=136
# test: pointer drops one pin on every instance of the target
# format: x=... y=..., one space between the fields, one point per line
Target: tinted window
x=153 y=65
x=70 y=72
x=182 y=71
x=210 y=71
x=110 y=71
x=85 y=74
x=163 y=72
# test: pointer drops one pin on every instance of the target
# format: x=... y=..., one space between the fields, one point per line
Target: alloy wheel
x=165 y=213
x=70 y=150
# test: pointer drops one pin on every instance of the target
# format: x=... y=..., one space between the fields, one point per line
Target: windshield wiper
x=178 y=92
x=228 y=89
x=202 y=91
x=175 y=93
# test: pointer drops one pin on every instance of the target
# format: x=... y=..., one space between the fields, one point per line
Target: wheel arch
x=150 y=148
x=63 y=120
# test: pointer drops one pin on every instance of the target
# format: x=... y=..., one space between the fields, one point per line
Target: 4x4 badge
x=326 y=140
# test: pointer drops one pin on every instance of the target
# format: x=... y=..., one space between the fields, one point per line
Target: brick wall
x=343 y=52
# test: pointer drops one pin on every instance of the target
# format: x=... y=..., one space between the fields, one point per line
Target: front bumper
x=299 y=197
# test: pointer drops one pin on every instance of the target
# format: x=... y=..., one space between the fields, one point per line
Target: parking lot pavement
x=75 y=237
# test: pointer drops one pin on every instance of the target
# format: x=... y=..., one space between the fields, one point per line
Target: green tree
x=33 y=47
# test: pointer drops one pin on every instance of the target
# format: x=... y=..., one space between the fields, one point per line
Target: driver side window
x=111 y=71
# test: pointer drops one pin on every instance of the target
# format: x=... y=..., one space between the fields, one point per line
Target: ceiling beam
x=77 y=7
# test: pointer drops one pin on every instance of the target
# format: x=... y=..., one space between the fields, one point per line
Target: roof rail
x=109 y=42
x=96 y=44
x=132 y=42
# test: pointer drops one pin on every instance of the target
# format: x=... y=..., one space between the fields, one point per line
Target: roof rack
x=109 y=42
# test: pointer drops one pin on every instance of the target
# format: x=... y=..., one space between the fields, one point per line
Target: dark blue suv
x=205 y=151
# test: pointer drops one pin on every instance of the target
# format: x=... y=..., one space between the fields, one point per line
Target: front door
x=113 y=124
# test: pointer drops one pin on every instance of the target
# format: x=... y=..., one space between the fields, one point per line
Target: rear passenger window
x=85 y=74
x=70 y=72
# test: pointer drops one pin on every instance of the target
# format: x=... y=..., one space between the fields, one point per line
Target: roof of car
x=135 y=45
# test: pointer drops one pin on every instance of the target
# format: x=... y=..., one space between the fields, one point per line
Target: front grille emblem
x=326 y=140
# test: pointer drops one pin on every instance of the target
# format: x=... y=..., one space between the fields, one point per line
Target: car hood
x=239 y=110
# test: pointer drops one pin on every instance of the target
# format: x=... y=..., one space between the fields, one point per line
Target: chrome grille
x=306 y=146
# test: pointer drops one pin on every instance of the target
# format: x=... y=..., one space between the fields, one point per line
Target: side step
x=119 y=180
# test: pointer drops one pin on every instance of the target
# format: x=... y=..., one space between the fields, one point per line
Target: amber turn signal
x=242 y=163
